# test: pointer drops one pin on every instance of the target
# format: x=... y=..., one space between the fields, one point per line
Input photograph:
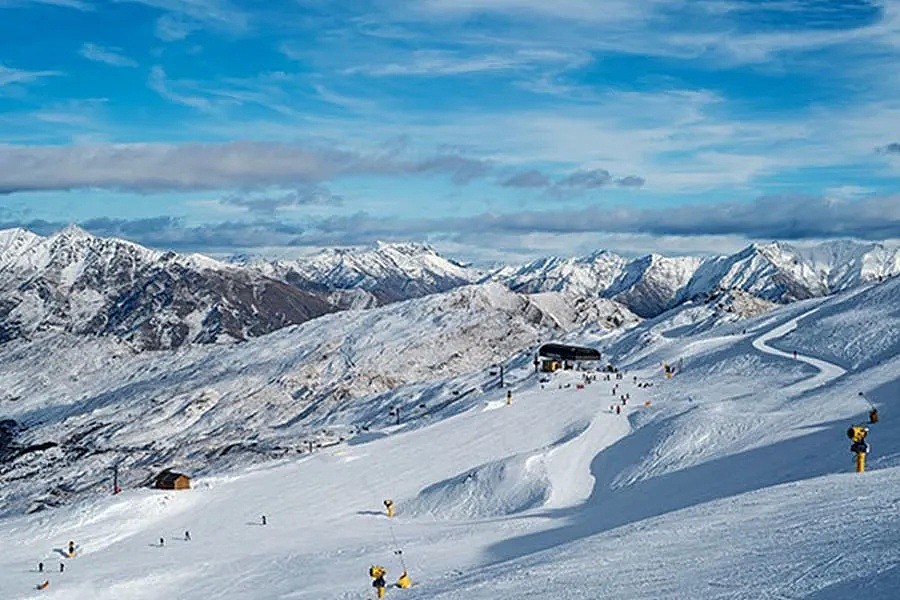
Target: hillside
x=735 y=482
x=98 y=404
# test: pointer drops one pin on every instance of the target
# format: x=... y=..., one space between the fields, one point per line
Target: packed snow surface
x=732 y=480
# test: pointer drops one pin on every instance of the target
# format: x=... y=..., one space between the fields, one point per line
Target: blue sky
x=493 y=129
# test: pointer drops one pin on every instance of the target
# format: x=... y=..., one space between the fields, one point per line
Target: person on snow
x=40 y=567
x=162 y=542
x=873 y=415
x=187 y=535
x=618 y=409
x=379 y=584
x=377 y=574
x=62 y=567
x=795 y=355
x=263 y=519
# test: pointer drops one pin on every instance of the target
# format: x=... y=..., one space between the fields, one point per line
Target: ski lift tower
x=498 y=367
x=116 y=488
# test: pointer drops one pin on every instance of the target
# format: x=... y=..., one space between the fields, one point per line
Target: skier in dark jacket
x=379 y=584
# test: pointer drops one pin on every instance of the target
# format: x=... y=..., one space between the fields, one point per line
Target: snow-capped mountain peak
x=386 y=272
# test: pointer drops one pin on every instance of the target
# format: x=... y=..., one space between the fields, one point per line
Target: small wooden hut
x=170 y=480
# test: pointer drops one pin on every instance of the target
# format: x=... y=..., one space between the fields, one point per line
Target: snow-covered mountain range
x=81 y=283
x=652 y=284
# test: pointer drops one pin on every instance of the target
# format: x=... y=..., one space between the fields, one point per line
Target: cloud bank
x=146 y=168
x=769 y=218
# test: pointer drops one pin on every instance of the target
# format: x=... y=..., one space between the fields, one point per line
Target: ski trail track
x=827 y=371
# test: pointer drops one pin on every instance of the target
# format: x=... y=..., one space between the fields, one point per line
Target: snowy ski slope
x=736 y=482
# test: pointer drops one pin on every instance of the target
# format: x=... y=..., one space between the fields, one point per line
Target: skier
x=618 y=409
x=162 y=542
x=508 y=397
x=263 y=519
x=40 y=567
x=873 y=415
x=377 y=574
x=379 y=584
x=795 y=355
x=62 y=567
x=187 y=535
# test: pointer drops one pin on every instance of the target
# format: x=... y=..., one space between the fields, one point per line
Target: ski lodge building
x=563 y=356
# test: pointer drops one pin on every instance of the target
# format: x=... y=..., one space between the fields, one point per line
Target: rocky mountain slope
x=76 y=282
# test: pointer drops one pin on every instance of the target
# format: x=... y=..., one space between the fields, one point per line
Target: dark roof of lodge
x=168 y=477
x=566 y=352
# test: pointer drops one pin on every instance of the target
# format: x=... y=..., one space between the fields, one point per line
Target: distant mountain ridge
x=362 y=278
x=652 y=284
x=77 y=282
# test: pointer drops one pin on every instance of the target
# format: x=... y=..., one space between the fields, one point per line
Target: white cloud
x=10 y=76
x=434 y=63
x=185 y=16
x=109 y=56
x=170 y=27
x=589 y=10
x=159 y=83
x=82 y=5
